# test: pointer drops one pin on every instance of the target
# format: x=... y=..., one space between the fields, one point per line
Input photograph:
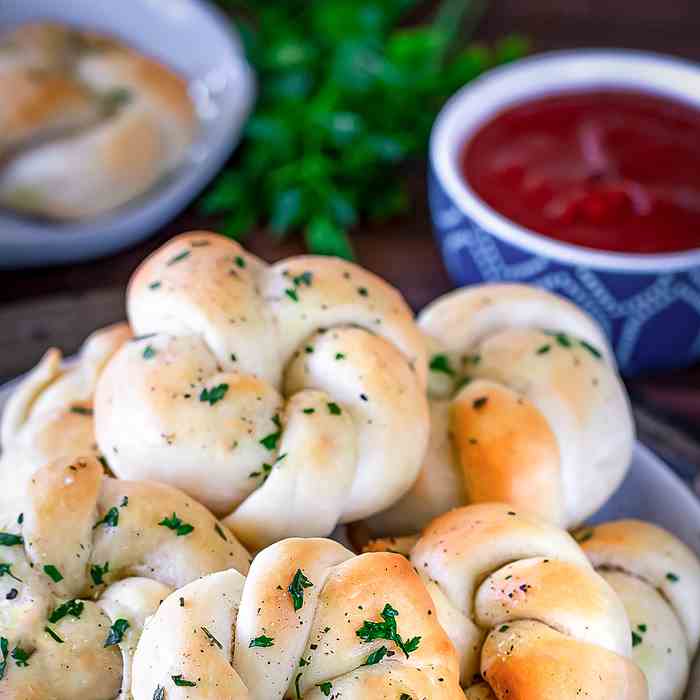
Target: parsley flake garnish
x=303 y=278
x=292 y=294
x=70 y=607
x=296 y=589
x=97 y=573
x=155 y=285
x=81 y=410
x=636 y=639
x=116 y=632
x=583 y=535
x=125 y=502
x=4 y=646
x=179 y=680
x=178 y=257
x=441 y=363
x=405 y=696
x=214 y=394
x=159 y=693
x=309 y=411
x=148 y=352
x=261 y=641
x=7 y=539
x=371 y=630
x=544 y=349
x=340 y=356
x=7 y=569
x=503 y=628
x=53 y=635
x=642 y=628
x=334 y=409
x=111 y=518
x=212 y=639
x=270 y=441
x=592 y=349
x=376 y=656
x=325 y=687
x=53 y=573
x=240 y=262
x=21 y=656
x=673 y=578
x=362 y=291
x=174 y=523
x=480 y=402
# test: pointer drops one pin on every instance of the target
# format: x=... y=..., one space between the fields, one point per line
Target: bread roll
x=287 y=398
x=527 y=408
x=658 y=580
x=527 y=613
x=85 y=563
x=310 y=621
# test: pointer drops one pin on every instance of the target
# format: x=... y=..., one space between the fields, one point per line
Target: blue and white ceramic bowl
x=649 y=305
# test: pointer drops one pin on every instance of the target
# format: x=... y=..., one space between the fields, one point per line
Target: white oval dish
x=651 y=491
x=197 y=41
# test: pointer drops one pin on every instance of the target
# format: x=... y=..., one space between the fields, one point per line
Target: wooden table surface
x=60 y=306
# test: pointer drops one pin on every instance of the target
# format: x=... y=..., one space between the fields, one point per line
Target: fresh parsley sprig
x=348 y=93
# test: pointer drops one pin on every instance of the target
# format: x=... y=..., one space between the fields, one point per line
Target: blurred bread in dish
x=86 y=123
x=527 y=408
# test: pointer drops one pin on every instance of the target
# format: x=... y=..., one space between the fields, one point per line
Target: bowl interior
x=535 y=77
x=195 y=40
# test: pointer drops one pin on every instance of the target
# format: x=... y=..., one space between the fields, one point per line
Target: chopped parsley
x=503 y=628
x=111 y=518
x=325 y=687
x=592 y=349
x=53 y=573
x=4 y=647
x=214 y=394
x=212 y=639
x=673 y=578
x=81 y=410
x=636 y=639
x=74 y=608
x=480 y=402
x=441 y=363
x=116 y=632
x=362 y=291
x=296 y=589
x=261 y=641
x=20 y=518
x=177 y=525
x=340 y=356
x=7 y=539
x=292 y=294
x=53 y=635
x=642 y=628
x=371 y=630
x=544 y=349
x=125 y=502
x=7 y=569
x=154 y=285
x=303 y=278
x=334 y=409
x=376 y=656
x=183 y=682
x=21 y=656
x=240 y=262
x=220 y=532
x=405 y=696
x=159 y=693
x=148 y=352
x=178 y=257
x=97 y=573
x=270 y=441
x=309 y=411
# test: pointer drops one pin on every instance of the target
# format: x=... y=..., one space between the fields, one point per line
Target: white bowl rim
x=536 y=76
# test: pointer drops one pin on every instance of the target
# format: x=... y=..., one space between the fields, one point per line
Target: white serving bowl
x=194 y=39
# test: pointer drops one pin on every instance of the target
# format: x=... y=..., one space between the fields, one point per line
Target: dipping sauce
x=612 y=170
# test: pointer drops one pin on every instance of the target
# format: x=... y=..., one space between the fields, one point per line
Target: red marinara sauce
x=612 y=170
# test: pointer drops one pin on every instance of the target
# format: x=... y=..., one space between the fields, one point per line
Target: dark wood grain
x=59 y=306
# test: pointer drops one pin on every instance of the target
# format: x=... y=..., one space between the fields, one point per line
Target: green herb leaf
x=4 y=649
x=7 y=539
x=74 y=608
x=214 y=394
x=261 y=641
x=376 y=656
x=97 y=573
x=7 y=569
x=673 y=578
x=441 y=363
x=116 y=632
x=636 y=639
x=183 y=682
x=53 y=573
x=81 y=410
x=387 y=629
x=111 y=518
x=220 y=532
x=213 y=641
x=53 y=635
x=334 y=409
x=296 y=589
x=149 y=352
x=270 y=441
x=175 y=523
x=159 y=693
x=325 y=687
x=177 y=258
x=21 y=656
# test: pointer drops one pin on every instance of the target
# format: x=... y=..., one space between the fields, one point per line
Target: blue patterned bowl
x=649 y=305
